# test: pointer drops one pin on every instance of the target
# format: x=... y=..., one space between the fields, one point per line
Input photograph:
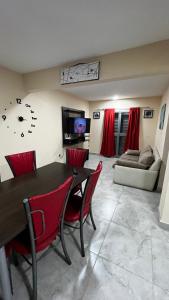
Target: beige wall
x=162 y=144
x=164 y=201
x=11 y=86
x=147 y=126
x=46 y=137
x=141 y=61
x=161 y=134
x=162 y=138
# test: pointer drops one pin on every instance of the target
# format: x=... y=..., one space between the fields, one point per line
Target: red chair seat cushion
x=21 y=243
x=72 y=213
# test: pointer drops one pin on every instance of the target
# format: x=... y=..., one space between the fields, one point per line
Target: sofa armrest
x=138 y=178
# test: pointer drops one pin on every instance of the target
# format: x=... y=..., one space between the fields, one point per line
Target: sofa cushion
x=129 y=157
x=130 y=164
x=132 y=152
x=146 y=149
x=146 y=158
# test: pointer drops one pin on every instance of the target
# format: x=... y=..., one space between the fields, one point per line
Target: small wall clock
x=21 y=119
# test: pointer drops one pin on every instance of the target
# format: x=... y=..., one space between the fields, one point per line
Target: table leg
x=4 y=276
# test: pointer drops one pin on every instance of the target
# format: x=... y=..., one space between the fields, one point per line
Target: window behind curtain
x=120 y=127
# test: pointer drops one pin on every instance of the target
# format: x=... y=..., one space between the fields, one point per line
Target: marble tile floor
x=127 y=257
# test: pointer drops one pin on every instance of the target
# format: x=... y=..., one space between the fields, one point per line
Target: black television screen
x=78 y=125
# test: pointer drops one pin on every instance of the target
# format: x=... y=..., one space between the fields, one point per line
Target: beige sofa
x=138 y=169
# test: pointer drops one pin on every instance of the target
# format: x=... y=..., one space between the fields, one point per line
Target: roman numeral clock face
x=19 y=118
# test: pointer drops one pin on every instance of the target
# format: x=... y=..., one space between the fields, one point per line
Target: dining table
x=12 y=214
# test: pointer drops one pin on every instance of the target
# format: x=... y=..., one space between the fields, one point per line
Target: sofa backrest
x=146 y=158
x=147 y=148
x=157 y=161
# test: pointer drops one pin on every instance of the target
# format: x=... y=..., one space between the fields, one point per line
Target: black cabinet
x=68 y=138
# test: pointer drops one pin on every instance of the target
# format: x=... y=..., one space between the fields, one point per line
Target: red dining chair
x=87 y=152
x=22 y=163
x=79 y=207
x=45 y=217
x=76 y=157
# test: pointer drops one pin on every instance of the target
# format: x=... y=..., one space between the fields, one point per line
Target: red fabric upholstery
x=108 y=141
x=87 y=151
x=8 y=249
x=22 y=163
x=76 y=157
x=99 y=166
x=21 y=244
x=76 y=203
x=52 y=205
x=132 y=138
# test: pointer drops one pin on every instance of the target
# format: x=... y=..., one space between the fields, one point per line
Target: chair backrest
x=45 y=213
x=89 y=189
x=76 y=157
x=22 y=163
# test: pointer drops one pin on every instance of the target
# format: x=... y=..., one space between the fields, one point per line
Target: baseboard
x=93 y=153
x=164 y=225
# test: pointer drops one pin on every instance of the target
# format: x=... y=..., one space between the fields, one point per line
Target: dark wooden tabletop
x=13 y=191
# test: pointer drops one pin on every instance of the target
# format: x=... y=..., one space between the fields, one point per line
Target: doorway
x=120 y=131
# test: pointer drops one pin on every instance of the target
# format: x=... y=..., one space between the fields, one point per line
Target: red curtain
x=132 y=138
x=108 y=141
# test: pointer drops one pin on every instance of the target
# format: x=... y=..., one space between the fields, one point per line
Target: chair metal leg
x=10 y=275
x=81 y=239
x=81 y=190
x=33 y=248
x=34 y=275
x=5 y=281
x=64 y=245
x=15 y=259
x=92 y=219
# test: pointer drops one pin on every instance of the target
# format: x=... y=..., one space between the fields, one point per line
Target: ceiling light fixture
x=115 y=97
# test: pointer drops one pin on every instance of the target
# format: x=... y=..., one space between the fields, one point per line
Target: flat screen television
x=78 y=125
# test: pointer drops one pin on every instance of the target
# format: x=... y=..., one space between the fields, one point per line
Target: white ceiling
x=130 y=88
x=36 y=34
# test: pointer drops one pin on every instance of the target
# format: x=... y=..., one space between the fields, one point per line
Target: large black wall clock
x=24 y=116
